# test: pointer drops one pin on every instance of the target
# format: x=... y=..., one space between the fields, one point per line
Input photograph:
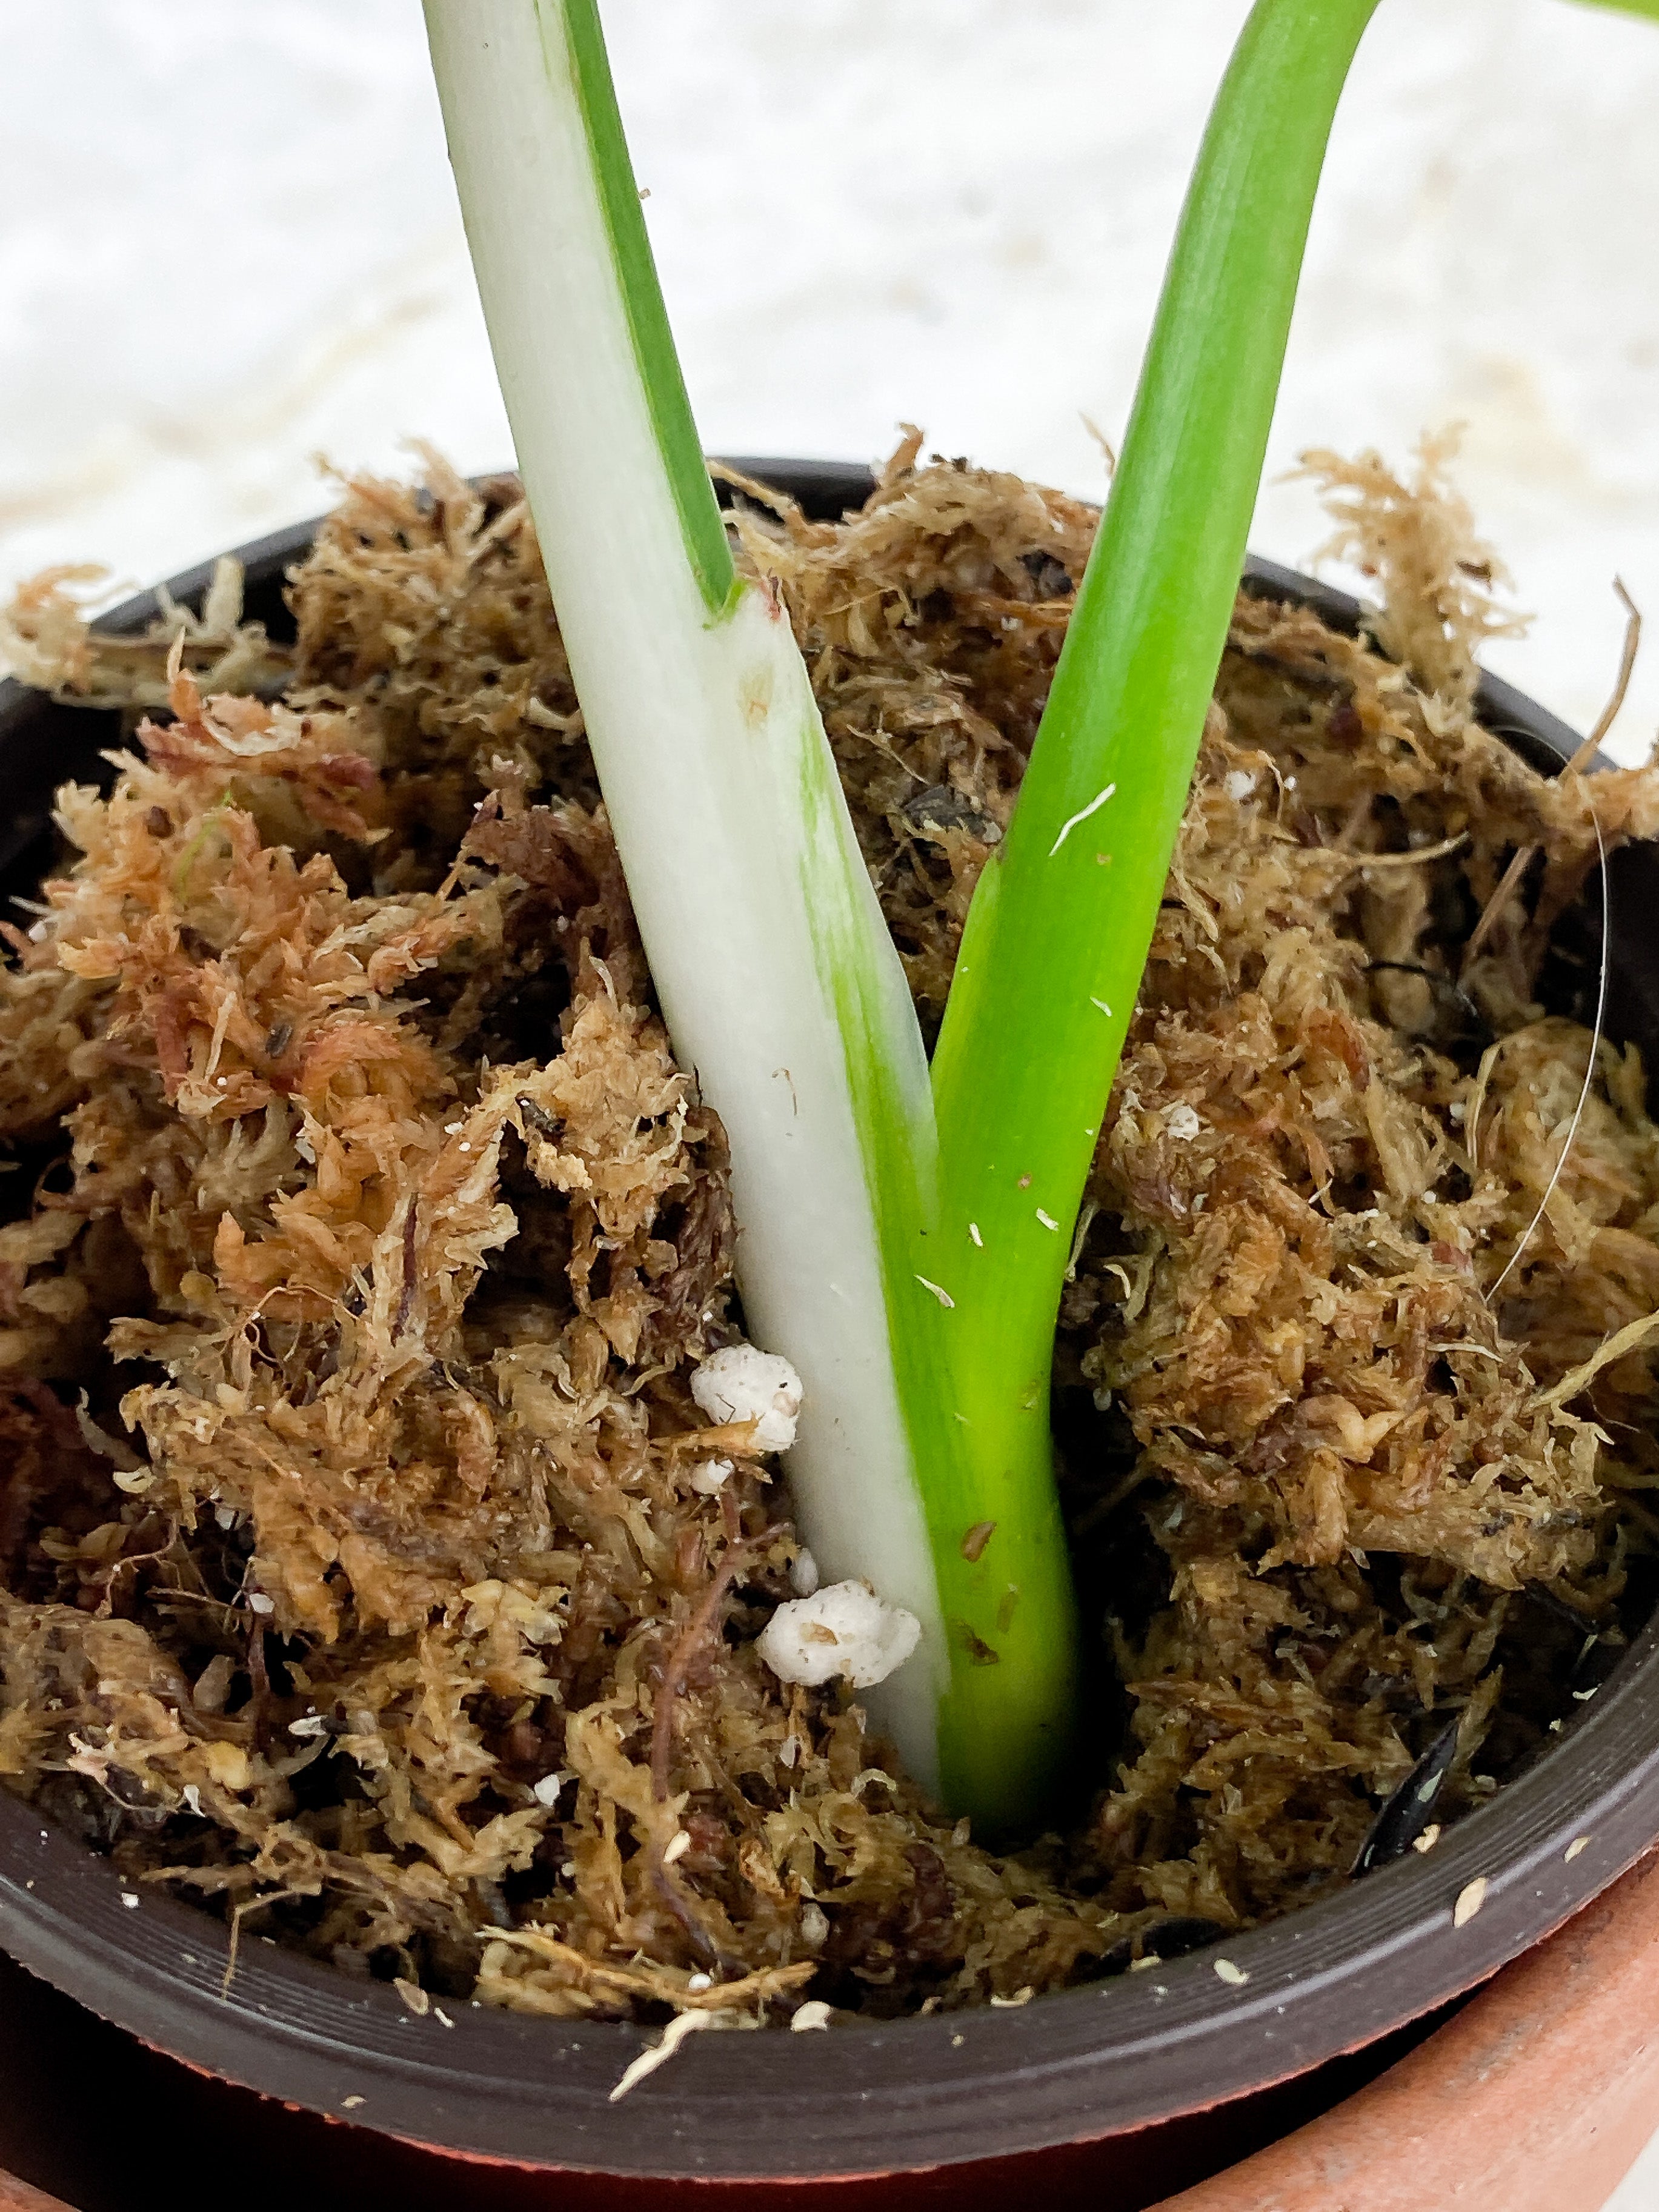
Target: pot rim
x=868 y=2098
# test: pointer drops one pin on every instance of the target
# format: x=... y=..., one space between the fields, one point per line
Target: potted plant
x=924 y=1324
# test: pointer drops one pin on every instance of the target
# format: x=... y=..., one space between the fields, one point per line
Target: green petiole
x=1063 y=914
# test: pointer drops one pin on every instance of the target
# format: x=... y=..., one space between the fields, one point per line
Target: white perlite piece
x=844 y=1632
x=1183 y=1122
x=743 y=1384
x=1238 y=783
x=813 y=2013
x=708 y=1477
x=804 y=1576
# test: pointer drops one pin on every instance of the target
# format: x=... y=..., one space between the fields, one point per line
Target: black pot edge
x=914 y=2094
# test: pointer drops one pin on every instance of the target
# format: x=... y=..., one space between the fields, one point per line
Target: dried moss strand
x=1514 y=873
x=1588 y=1084
x=690 y=1640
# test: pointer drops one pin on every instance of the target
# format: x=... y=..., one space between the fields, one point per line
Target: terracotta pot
x=1538 y=2097
x=1111 y=2095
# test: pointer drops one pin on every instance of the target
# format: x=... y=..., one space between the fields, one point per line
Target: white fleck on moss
x=1470 y=1898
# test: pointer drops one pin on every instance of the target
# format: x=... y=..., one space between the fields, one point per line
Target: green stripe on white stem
x=658 y=363
x=778 y=980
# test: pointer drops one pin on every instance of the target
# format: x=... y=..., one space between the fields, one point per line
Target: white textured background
x=228 y=242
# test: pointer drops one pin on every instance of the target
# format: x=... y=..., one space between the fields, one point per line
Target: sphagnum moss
x=397 y=1604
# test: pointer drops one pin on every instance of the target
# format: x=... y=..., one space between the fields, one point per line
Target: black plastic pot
x=1176 y=2066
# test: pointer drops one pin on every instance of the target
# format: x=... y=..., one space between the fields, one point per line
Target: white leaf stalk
x=776 y=976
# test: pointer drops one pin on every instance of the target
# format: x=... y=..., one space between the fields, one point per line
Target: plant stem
x=1062 y=917
x=654 y=355
x=779 y=984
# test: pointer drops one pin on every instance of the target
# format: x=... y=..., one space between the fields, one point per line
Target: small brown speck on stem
x=976 y=1539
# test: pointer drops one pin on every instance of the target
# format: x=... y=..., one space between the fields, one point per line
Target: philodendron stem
x=776 y=975
x=1062 y=917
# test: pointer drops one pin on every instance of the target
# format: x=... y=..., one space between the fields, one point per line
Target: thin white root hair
x=1590 y=1066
